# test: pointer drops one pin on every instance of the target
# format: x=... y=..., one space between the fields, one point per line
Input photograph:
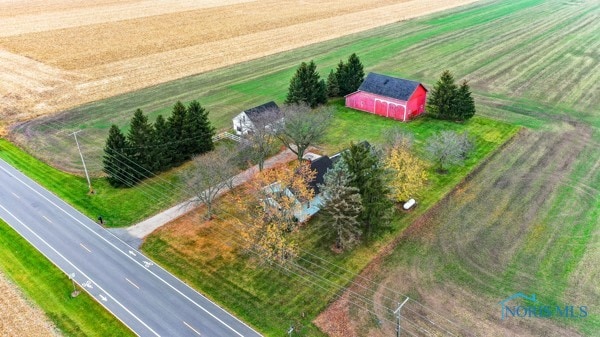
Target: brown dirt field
x=120 y=47
x=19 y=317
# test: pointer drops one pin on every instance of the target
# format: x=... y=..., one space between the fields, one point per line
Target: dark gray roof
x=253 y=112
x=320 y=165
x=388 y=86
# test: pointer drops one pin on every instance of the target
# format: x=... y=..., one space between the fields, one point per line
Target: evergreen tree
x=175 y=126
x=114 y=156
x=333 y=88
x=307 y=87
x=197 y=131
x=140 y=141
x=341 y=206
x=370 y=177
x=354 y=75
x=162 y=154
x=465 y=105
x=342 y=78
x=442 y=98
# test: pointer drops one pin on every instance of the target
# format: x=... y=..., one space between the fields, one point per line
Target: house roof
x=320 y=165
x=252 y=113
x=388 y=86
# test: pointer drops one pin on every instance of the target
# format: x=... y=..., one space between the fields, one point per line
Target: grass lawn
x=118 y=206
x=50 y=289
x=207 y=255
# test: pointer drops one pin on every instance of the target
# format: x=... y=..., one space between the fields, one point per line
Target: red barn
x=389 y=97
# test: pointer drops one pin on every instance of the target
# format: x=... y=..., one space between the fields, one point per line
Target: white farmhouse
x=243 y=122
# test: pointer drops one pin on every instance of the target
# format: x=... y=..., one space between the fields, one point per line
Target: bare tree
x=260 y=141
x=448 y=148
x=303 y=127
x=212 y=173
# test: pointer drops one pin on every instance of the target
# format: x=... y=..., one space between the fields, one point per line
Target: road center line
x=16 y=196
x=84 y=247
x=133 y=284
x=43 y=216
x=194 y=330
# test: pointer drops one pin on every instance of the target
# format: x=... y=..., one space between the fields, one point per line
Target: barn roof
x=320 y=165
x=388 y=86
x=252 y=113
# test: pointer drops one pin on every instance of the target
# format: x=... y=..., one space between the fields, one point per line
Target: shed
x=388 y=96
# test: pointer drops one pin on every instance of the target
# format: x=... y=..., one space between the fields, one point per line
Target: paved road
x=145 y=297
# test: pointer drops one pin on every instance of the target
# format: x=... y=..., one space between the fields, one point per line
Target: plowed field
x=59 y=55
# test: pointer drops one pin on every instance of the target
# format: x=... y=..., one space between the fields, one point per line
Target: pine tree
x=175 y=126
x=442 y=98
x=307 y=87
x=197 y=130
x=370 y=177
x=342 y=78
x=114 y=157
x=140 y=140
x=465 y=105
x=162 y=154
x=341 y=206
x=333 y=88
x=355 y=74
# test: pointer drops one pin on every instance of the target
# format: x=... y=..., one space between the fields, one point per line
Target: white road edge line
x=138 y=263
x=133 y=284
x=78 y=270
x=194 y=330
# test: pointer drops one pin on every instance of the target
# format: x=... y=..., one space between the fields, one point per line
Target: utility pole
x=397 y=313
x=83 y=161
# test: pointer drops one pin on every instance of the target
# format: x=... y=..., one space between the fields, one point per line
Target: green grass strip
x=50 y=289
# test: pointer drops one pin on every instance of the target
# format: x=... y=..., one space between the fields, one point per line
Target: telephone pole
x=397 y=313
x=83 y=161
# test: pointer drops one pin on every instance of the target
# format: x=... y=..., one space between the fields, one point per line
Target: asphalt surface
x=145 y=297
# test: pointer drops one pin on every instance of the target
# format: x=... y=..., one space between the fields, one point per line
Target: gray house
x=245 y=120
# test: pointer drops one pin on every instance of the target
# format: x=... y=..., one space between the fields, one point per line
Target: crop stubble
x=90 y=53
x=20 y=318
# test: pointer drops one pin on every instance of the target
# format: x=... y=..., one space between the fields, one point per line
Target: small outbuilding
x=244 y=122
x=390 y=97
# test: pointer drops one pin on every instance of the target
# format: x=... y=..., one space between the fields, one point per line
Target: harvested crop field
x=19 y=317
x=78 y=53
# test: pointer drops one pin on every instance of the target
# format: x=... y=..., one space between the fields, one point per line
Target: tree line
x=149 y=148
x=307 y=87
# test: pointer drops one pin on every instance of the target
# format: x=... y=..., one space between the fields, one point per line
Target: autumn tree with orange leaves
x=277 y=195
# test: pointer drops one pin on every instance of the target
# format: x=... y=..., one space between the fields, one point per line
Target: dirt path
x=19 y=318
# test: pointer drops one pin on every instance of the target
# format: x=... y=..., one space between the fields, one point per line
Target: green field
x=526 y=221
x=527 y=61
x=50 y=289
